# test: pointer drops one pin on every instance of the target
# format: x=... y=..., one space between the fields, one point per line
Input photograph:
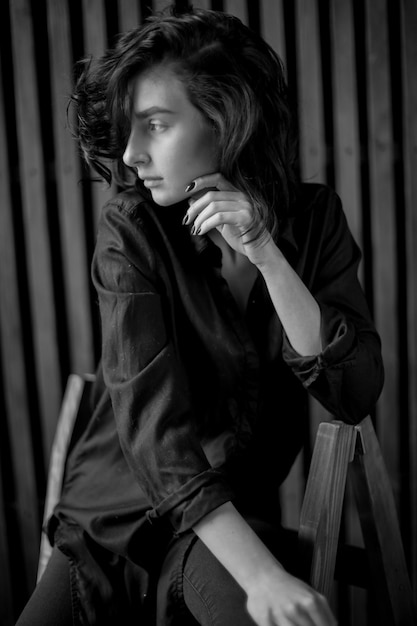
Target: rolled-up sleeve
x=347 y=376
x=145 y=378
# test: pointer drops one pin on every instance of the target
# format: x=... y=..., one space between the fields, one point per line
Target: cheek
x=200 y=156
x=188 y=155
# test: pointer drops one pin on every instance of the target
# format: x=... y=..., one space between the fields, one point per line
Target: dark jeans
x=50 y=603
x=206 y=593
x=210 y=593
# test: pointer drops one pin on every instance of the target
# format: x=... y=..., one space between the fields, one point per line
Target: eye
x=156 y=126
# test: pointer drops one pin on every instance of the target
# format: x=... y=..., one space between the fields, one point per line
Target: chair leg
x=323 y=502
x=381 y=532
x=65 y=425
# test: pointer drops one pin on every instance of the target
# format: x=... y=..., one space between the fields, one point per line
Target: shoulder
x=130 y=204
x=133 y=226
x=126 y=228
x=318 y=208
x=131 y=215
x=316 y=198
x=317 y=226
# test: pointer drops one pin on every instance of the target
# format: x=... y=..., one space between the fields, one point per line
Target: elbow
x=360 y=392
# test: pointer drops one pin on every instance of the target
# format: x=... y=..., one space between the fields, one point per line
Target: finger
x=218 y=218
x=223 y=212
x=214 y=197
x=216 y=180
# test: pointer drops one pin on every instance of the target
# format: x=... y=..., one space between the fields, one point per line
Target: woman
x=227 y=291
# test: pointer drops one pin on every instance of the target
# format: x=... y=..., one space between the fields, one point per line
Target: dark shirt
x=195 y=403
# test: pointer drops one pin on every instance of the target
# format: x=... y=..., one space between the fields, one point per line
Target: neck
x=227 y=251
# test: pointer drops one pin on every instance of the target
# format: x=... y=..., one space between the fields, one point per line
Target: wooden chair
x=339 y=450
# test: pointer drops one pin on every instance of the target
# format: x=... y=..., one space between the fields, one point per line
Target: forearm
x=236 y=546
x=296 y=308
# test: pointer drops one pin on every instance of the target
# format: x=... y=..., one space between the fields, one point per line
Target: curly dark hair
x=230 y=74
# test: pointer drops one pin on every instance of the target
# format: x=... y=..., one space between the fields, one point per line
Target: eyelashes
x=156 y=127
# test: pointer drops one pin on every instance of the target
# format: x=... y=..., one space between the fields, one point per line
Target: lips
x=150 y=181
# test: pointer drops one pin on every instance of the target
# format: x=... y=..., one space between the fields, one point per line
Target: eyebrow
x=151 y=111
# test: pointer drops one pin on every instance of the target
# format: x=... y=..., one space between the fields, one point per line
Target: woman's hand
x=216 y=204
x=282 y=600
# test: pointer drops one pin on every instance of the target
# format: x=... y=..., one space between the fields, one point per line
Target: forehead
x=159 y=87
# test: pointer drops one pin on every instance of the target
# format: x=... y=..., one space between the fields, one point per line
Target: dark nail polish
x=198 y=231
x=185 y=220
x=190 y=187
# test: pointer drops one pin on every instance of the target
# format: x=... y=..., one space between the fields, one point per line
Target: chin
x=162 y=199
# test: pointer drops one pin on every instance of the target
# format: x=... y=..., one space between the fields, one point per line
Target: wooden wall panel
x=69 y=195
x=17 y=467
x=381 y=159
x=345 y=106
x=95 y=42
x=273 y=26
x=238 y=8
x=310 y=92
x=409 y=57
x=130 y=15
x=32 y=176
x=351 y=69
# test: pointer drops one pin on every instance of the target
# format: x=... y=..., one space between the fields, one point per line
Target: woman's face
x=170 y=142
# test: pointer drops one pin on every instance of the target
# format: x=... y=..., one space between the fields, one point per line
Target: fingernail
x=190 y=187
x=185 y=220
x=193 y=230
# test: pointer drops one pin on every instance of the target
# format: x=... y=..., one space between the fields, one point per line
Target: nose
x=135 y=152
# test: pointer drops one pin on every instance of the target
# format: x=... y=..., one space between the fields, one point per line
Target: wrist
x=263 y=569
x=269 y=259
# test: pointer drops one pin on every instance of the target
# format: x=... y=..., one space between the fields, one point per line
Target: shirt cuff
x=339 y=341
x=198 y=497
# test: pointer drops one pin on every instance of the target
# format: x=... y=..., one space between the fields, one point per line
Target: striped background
x=352 y=74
